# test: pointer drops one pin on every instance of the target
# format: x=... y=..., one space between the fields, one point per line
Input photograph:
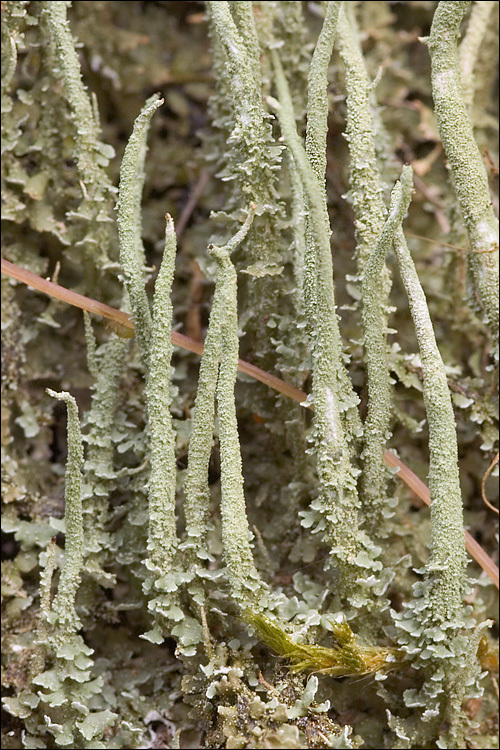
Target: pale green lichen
x=162 y=542
x=295 y=53
x=334 y=401
x=11 y=18
x=132 y=257
x=162 y=563
x=435 y=622
x=244 y=19
x=90 y=343
x=197 y=491
x=107 y=364
x=247 y=134
x=251 y=134
x=47 y=561
x=315 y=146
x=246 y=585
x=466 y=165
x=376 y=427
x=448 y=545
x=470 y=45
x=466 y=674
x=61 y=667
x=317 y=93
x=366 y=197
x=63 y=606
x=77 y=96
x=178 y=566
x=365 y=193
x=93 y=156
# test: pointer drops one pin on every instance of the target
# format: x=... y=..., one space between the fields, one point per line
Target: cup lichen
x=139 y=611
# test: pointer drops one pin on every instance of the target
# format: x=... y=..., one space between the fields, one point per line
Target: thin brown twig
x=184 y=342
x=483 y=484
x=124 y=319
x=437 y=242
x=422 y=491
x=452 y=247
x=191 y=204
x=429 y=195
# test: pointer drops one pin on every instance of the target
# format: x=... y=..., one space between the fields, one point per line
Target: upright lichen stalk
x=247 y=136
x=196 y=489
x=379 y=395
x=366 y=197
x=365 y=193
x=433 y=623
x=108 y=366
x=448 y=562
x=153 y=336
x=336 y=418
x=470 y=47
x=448 y=544
x=317 y=93
x=162 y=542
x=132 y=256
x=61 y=672
x=64 y=602
x=92 y=154
x=245 y=581
x=466 y=165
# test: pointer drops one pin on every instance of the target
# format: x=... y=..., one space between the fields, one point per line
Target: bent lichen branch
x=467 y=167
x=376 y=428
x=447 y=566
x=129 y=225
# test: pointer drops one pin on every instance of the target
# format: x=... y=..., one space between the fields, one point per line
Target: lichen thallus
x=122 y=324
